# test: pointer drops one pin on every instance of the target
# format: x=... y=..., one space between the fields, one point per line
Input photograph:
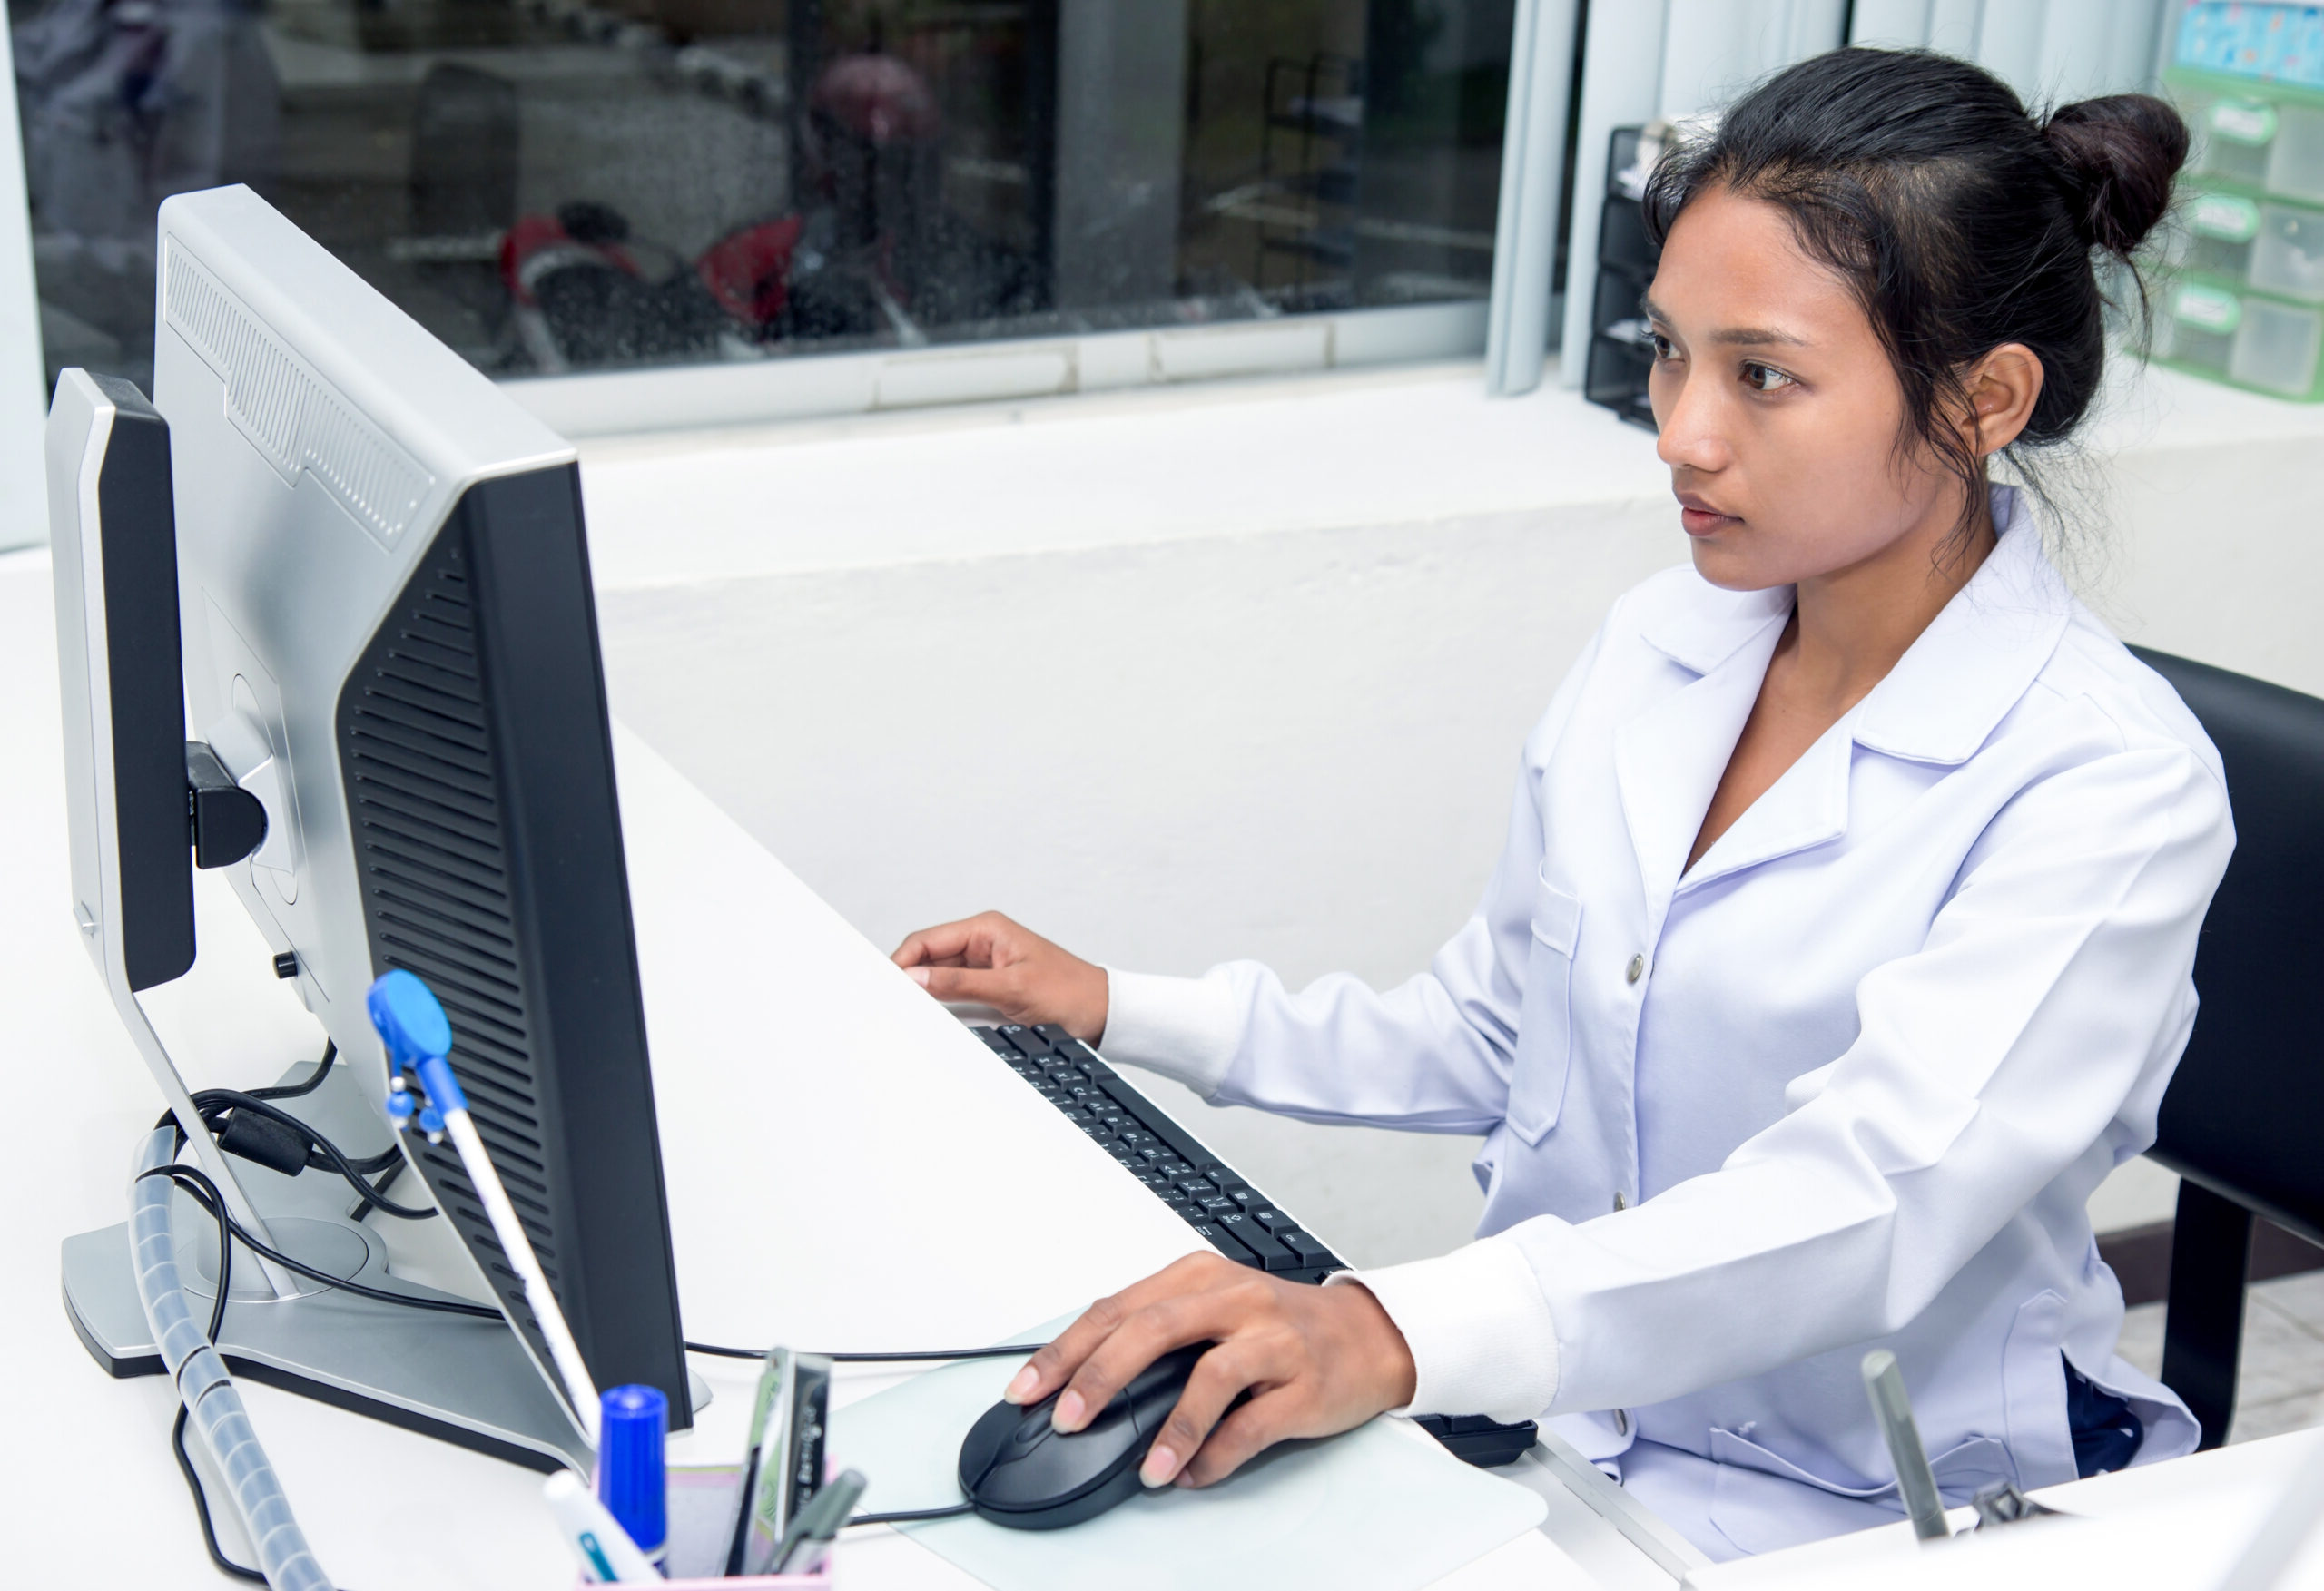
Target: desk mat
x=1371 y=1510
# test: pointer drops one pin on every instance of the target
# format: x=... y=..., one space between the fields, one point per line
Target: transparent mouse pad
x=1376 y=1509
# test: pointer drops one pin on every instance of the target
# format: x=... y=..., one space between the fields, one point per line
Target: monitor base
x=458 y=1378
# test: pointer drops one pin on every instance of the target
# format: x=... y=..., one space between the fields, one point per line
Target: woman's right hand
x=989 y=960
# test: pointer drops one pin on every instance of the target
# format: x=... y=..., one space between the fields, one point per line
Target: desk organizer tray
x=702 y=1501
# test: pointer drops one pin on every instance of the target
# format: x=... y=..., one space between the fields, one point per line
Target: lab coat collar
x=1939 y=704
x=1668 y=761
x=1979 y=656
x=1698 y=626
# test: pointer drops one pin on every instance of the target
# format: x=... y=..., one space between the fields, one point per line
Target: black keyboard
x=1232 y=1216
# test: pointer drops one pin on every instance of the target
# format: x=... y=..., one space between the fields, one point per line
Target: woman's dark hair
x=1960 y=221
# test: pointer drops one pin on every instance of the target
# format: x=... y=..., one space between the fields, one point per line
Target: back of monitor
x=389 y=634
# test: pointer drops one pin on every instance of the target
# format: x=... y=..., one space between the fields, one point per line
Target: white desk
x=2183 y=1524
x=764 y=1008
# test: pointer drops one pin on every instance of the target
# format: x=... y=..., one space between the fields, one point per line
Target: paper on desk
x=1371 y=1510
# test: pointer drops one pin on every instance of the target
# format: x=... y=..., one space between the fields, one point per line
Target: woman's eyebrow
x=1731 y=336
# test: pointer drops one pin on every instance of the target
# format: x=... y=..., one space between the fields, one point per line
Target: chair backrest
x=2244 y=1117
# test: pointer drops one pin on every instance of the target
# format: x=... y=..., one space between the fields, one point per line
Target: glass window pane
x=551 y=185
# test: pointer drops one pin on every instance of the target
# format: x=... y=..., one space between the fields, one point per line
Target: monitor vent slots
x=292 y=417
x=416 y=742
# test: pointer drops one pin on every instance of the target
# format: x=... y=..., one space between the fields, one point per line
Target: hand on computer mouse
x=1317 y=1360
x=992 y=961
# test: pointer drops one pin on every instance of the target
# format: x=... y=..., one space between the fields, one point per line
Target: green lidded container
x=2240 y=295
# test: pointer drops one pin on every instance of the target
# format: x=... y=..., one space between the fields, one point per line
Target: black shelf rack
x=1621 y=353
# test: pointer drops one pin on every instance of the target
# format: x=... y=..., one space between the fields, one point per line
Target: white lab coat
x=1848 y=1084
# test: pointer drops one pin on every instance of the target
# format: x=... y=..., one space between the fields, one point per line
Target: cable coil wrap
x=213 y=1408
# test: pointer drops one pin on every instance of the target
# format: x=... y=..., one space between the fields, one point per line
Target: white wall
x=1181 y=676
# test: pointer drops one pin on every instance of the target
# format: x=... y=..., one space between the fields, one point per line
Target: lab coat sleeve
x=2047 y=1005
x=1431 y=1055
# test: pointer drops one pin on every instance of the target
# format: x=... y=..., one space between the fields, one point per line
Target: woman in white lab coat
x=1841 y=942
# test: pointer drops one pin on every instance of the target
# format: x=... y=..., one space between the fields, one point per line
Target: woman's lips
x=1703 y=521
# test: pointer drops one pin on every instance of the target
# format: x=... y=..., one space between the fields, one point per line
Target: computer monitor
x=389 y=638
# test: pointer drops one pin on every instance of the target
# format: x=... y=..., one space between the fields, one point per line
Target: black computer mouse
x=1017 y=1470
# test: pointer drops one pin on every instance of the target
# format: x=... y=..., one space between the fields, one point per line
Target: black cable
x=225 y=1099
x=177 y=1425
x=1002 y=1350
x=202 y=1505
x=193 y=1177
x=907 y=1516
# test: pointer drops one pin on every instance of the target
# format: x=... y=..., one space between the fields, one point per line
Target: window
x=564 y=186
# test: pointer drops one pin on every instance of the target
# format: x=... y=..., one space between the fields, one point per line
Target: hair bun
x=2121 y=152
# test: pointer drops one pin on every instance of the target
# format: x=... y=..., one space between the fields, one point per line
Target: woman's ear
x=2001 y=389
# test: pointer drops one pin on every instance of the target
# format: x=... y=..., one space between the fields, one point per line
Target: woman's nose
x=1689 y=437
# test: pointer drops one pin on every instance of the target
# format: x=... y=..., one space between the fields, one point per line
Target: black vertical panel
x=140 y=552
x=1040 y=70
x=478 y=759
x=2246 y=1106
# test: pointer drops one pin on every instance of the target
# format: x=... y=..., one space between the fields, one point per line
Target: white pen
x=604 y=1549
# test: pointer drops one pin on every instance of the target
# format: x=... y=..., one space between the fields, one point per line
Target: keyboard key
x=1151 y=1178
x=1217 y=1237
x=1025 y=1038
x=1135 y=1138
x=1217 y=1206
x=1272 y=1253
x=1192 y=1186
x=1247 y=1197
x=1271 y=1219
x=1159 y=1124
x=1309 y=1251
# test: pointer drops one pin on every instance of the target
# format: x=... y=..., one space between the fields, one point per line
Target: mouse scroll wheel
x=1032 y=1429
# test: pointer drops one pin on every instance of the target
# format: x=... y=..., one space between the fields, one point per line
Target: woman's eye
x=1665 y=350
x=1765 y=378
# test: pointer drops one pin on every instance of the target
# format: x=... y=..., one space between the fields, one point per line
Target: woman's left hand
x=1317 y=1360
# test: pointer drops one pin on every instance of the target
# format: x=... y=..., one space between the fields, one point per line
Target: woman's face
x=1779 y=411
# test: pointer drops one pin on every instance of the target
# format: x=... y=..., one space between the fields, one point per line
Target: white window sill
x=1342 y=449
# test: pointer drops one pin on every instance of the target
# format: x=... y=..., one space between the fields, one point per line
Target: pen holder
x=702 y=1501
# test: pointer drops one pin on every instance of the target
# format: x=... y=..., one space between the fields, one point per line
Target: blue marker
x=632 y=1423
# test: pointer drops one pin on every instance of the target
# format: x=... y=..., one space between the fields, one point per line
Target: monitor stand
x=459 y=1378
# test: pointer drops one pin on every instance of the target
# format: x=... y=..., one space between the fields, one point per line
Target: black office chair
x=2243 y=1121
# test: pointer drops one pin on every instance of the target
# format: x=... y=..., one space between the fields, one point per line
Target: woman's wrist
x=1375 y=1344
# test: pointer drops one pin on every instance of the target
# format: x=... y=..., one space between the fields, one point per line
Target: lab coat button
x=1636 y=968
x=1622 y=1201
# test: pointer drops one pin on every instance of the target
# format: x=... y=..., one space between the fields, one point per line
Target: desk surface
x=812 y=1105
x=2179 y=1524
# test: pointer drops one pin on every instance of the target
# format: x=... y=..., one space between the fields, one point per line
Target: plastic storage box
x=2242 y=289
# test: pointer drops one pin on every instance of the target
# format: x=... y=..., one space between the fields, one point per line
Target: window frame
x=810 y=385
